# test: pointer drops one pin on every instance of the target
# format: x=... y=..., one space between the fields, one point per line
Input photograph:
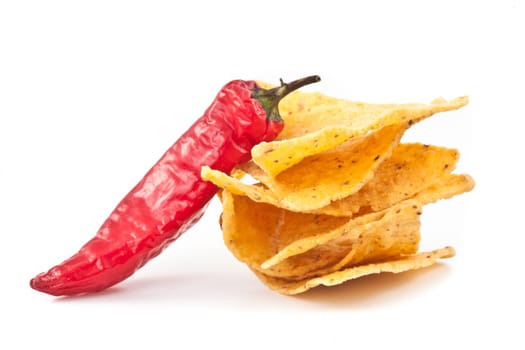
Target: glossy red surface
x=169 y=199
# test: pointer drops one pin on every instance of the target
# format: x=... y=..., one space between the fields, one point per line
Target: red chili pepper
x=172 y=196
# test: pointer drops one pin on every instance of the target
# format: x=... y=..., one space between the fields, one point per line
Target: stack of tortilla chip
x=337 y=195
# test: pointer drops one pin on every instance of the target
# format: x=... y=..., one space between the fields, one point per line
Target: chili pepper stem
x=270 y=98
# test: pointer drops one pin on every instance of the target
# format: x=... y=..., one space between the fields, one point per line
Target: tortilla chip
x=256 y=192
x=254 y=232
x=403 y=264
x=314 y=125
x=447 y=187
x=411 y=168
x=377 y=236
x=318 y=180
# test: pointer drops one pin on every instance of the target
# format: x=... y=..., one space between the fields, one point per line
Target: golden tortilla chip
x=314 y=124
x=398 y=265
x=377 y=236
x=447 y=187
x=254 y=232
x=411 y=168
x=320 y=179
x=283 y=243
x=256 y=192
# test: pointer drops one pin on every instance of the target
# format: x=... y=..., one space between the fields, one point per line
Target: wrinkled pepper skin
x=171 y=197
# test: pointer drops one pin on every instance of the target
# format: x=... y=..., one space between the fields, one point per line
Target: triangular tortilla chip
x=412 y=262
x=372 y=237
x=314 y=124
x=326 y=177
x=256 y=231
x=410 y=169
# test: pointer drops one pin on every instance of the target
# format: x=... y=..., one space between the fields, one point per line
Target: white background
x=92 y=93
